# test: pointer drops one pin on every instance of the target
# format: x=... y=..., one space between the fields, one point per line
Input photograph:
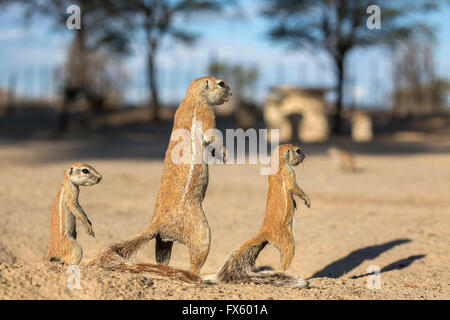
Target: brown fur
x=63 y=246
x=117 y=263
x=178 y=214
x=342 y=160
x=276 y=228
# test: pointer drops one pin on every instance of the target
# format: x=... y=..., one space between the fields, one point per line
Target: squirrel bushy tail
x=114 y=259
x=130 y=247
x=240 y=267
x=242 y=261
x=123 y=250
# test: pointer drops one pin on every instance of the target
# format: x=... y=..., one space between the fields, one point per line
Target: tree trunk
x=75 y=81
x=340 y=95
x=154 y=108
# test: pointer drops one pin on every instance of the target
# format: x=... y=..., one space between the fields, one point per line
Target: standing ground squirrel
x=178 y=214
x=63 y=246
x=342 y=160
x=276 y=228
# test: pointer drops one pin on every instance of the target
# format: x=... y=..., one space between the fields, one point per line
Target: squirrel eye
x=298 y=151
x=86 y=171
x=221 y=84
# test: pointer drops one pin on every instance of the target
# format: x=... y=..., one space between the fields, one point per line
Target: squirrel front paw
x=307 y=202
x=89 y=230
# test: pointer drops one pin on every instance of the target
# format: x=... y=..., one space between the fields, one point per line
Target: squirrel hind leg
x=286 y=246
x=73 y=255
x=163 y=250
x=197 y=255
x=287 y=254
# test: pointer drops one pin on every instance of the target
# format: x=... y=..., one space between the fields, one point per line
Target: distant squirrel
x=63 y=246
x=342 y=160
x=275 y=230
x=178 y=214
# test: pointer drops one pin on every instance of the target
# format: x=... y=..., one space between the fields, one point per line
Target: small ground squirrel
x=178 y=214
x=63 y=246
x=342 y=160
x=276 y=228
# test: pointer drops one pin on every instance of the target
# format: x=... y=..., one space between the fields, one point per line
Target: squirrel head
x=213 y=91
x=290 y=154
x=82 y=174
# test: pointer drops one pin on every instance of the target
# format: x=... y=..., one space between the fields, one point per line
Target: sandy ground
x=394 y=214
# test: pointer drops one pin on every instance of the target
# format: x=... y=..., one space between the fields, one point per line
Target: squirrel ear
x=207 y=85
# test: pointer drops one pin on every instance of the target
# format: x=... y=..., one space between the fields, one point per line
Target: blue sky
x=33 y=51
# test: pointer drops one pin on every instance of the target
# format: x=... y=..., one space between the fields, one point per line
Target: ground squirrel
x=63 y=246
x=276 y=228
x=178 y=214
x=342 y=160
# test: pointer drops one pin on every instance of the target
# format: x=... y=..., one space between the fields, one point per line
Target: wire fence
x=367 y=84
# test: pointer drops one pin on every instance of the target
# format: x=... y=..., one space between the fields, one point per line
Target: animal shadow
x=344 y=265
x=397 y=265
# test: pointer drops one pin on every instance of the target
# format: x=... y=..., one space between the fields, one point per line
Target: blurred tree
x=441 y=93
x=93 y=28
x=157 y=20
x=413 y=74
x=82 y=54
x=417 y=90
x=241 y=79
x=338 y=26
